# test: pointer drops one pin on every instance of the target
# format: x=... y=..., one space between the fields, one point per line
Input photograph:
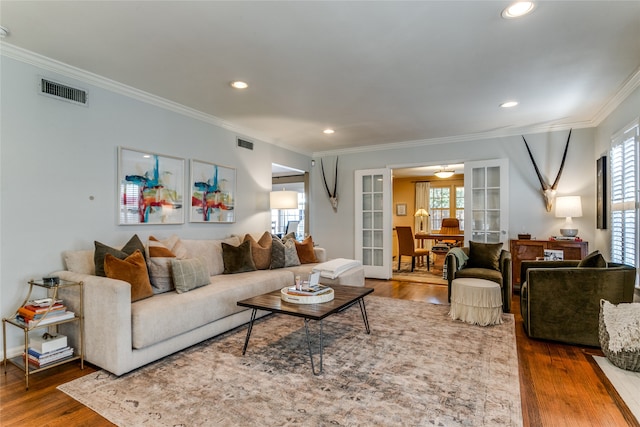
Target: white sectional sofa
x=121 y=336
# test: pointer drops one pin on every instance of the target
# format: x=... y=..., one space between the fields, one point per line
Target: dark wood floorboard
x=561 y=385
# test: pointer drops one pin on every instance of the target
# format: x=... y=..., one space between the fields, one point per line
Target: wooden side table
x=531 y=249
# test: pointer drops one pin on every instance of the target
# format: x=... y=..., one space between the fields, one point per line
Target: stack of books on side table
x=35 y=312
x=48 y=349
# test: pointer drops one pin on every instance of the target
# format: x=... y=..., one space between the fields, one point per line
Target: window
x=624 y=195
x=281 y=217
x=446 y=202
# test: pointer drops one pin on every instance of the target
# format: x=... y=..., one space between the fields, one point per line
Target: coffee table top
x=344 y=296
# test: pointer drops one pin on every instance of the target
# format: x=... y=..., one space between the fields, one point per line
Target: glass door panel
x=373 y=222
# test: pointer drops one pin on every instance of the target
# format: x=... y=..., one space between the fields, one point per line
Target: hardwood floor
x=560 y=385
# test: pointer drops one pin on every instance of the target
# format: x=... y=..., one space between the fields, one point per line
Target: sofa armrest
x=321 y=254
x=107 y=317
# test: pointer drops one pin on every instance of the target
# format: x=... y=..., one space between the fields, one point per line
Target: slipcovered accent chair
x=560 y=300
x=482 y=261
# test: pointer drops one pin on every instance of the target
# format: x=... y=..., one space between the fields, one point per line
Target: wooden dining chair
x=407 y=247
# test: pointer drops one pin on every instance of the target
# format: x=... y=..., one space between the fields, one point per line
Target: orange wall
x=404 y=192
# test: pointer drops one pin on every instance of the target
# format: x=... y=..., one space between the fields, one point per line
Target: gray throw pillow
x=189 y=274
x=237 y=259
x=277 y=253
x=484 y=255
x=101 y=250
x=290 y=254
x=594 y=259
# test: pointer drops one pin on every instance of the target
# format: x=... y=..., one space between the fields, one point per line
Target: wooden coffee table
x=345 y=296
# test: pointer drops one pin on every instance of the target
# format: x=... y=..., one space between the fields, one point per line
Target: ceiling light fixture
x=518 y=9
x=509 y=104
x=444 y=173
x=239 y=85
x=328 y=131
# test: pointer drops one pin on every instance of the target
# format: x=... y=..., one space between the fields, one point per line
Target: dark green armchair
x=560 y=301
x=500 y=271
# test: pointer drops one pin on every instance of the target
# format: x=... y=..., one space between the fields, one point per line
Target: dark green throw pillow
x=594 y=259
x=484 y=255
x=237 y=259
x=101 y=250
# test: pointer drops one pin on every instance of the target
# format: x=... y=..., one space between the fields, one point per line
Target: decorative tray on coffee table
x=291 y=295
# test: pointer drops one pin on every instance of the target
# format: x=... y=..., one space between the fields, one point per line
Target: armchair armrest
x=507 y=286
x=525 y=265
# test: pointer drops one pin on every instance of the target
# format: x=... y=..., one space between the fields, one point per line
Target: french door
x=373 y=222
x=486 y=201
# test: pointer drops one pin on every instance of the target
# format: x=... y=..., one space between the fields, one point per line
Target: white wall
x=55 y=155
x=527 y=209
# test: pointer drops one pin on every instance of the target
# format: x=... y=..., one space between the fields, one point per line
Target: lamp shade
x=283 y=199
x=421 y=212
x=569 y=206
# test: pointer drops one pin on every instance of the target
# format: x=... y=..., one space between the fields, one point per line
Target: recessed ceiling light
x=509 y=104
x=239 y=84
x=518 y=9
x=328 y=131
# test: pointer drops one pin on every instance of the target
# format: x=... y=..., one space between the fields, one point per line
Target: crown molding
x=46 y=63
x=501 y=133
x=626 y=89
x=49 y=64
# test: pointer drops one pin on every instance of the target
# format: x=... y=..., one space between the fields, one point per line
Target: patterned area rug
x=419 y=274
x=417 y=367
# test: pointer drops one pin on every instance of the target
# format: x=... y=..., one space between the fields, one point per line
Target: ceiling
x=378 y=73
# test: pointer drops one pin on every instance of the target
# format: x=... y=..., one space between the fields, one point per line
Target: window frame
x=624 y=187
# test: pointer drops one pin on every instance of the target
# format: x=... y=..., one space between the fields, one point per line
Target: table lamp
x=568 y=207
x=421 y=213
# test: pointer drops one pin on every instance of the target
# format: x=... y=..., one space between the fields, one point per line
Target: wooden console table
x=532 y=249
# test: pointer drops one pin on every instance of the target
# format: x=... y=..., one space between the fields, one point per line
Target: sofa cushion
x=80 y=262
x=189 y=274
x=594 y=259
x=237 y=259
x=305 y=251
x=128 y=249
x=164 y=316
x=260 y=250
x=210 y=251
x=277 y=253
x=290 y=254
x=132 y=269
x=480 y=273
x=484 y=255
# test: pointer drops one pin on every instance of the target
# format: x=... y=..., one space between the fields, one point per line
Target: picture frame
x=150 y=188
x=601 y=193
x=212 y=193
x=401 y=209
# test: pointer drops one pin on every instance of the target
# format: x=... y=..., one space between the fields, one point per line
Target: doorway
x=421 y=200
x=294 y=219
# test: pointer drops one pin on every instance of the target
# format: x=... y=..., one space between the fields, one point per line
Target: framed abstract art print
x=150 y=188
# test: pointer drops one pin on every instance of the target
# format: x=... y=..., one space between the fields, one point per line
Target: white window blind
x=624 y=195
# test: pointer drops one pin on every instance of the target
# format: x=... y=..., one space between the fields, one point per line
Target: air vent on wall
x=60 y=91
x=245 y=144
